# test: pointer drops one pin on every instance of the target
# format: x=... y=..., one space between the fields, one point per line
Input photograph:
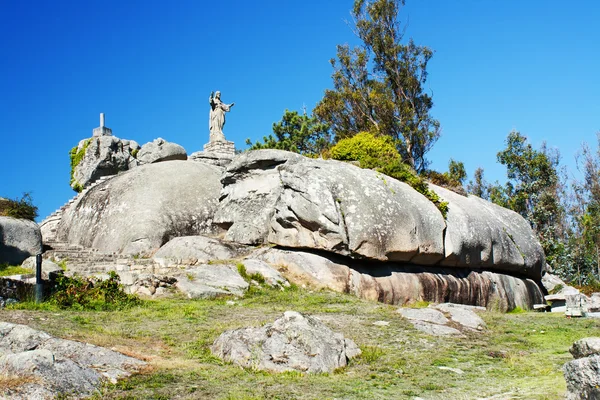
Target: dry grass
x=9 y=382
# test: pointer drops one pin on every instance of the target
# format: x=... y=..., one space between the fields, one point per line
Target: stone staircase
x=85 y=261
x=50 y=224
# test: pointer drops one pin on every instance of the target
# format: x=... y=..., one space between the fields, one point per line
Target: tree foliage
x=479 y=186
x=584 y=244
x=379 y=86
x=533 y=189
x=453 y=179
x=298 y=133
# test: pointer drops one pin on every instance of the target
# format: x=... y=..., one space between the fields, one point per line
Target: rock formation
x=396 y=283
x=583 y=373
x=102 y=156
x=139 y=211
x=160 y=150
x=281 y=198
x=324 y=222
x=50 y=367
x=19 y=239
x=294 y=342
x=432 y=320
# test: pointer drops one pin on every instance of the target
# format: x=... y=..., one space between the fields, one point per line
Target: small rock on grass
x=293 y=342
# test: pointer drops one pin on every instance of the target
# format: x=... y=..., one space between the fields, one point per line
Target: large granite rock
x=49 y=367
x=480 y=234
x=294 y=342
x=400 y=284
x=19 y=239
x=282 y=198
x=140 y=210
x=104 y=156
x=193 y=250
x=210 y=281
x=583 y=373
x=272 y=196
x=161 y=150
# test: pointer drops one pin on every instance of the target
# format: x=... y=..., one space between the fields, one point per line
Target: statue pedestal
x=220 y=148
x=102 y=131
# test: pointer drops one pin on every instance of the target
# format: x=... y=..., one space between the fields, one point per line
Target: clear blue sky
x=150 y=66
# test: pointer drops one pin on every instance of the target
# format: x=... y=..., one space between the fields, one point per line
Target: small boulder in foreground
x=294 y=342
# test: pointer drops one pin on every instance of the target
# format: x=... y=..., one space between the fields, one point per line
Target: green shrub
x=76 y=157
x=91 y=294
x=250 y=277
x=19 y=208
x=380 y=154
x=370 y=150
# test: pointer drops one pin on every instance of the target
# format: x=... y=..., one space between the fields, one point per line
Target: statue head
x=218 y=94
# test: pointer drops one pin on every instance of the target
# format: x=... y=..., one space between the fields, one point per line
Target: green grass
x=8 y=270
x=519 y=356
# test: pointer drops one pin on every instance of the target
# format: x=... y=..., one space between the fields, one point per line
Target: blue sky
x=151 y=65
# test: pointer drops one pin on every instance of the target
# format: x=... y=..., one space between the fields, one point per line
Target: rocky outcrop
x=49 y=367
x=400 y=284
x=282 y=198
x=210 y=281
x=192 y=250
x=583 y=373
x=272 y=196
x=140 y=210
x=294 y=342
x=482 y=235
x=446 y=319
x=585 y=347
x=104 y=155
x=19 y=239
x=161 y=150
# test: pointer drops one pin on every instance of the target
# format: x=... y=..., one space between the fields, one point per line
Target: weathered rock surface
x=272 y=196
x=424 y=314
x=19 y=239
x=583 y=378
x=192 y=250
x=480 y=234
x=160 y=150
x=402 y=283
x=463 y=315
x=585 y=347
x=140 y=210
x=105 y=155
x=52 y=367
x=271 y=275
x=282 y=198
x=294 y=342
x=432 y=320
x=209 y=281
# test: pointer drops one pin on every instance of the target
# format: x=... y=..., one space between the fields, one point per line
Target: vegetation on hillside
x=19 y=208
x=76 y=156
x=380 y=154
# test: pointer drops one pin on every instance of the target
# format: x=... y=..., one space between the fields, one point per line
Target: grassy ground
x=519 y=356
x=8 y=270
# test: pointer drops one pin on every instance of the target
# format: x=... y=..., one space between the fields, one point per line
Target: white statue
x=217 y=116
